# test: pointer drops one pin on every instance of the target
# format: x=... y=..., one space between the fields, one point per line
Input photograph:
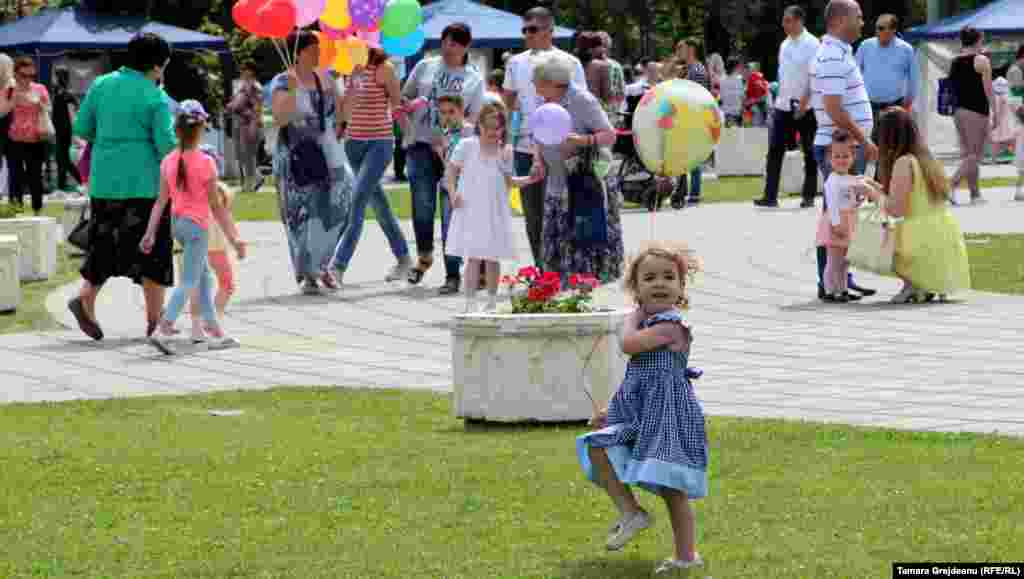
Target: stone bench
x=791 y=179
x=38 y=239
x=534 y=367
x=10 y=284
x=742 y=151
x=69 y=219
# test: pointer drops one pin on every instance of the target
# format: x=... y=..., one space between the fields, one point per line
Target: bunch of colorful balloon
x=347 y=28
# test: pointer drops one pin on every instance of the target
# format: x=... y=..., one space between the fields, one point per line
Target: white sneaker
x=161 y=342
x=224 y=342
x=669 y=565
x=627 y=529
x=399 y=271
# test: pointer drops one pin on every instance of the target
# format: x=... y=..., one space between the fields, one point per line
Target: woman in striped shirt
x=371 y=94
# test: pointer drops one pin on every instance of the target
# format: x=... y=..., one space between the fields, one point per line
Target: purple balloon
x=550 y=124
x=365 y=13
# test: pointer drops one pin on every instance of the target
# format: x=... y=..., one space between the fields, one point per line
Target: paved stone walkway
x=768 y=347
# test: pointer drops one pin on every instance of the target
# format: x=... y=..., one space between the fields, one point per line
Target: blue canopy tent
x=492 y=28
x=997 y=18
x=50 y=33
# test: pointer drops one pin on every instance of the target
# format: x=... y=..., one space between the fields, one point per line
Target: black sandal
x=422 y=265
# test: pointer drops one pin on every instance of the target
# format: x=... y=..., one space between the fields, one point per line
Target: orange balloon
x=328 y=52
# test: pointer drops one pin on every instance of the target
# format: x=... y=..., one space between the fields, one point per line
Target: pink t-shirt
x=27 y=108
x=194 y=201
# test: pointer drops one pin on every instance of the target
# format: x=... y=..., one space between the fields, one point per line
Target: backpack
x=307 y=162
x=946 y=104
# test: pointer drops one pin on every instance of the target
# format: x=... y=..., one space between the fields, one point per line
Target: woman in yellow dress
x=930 y=255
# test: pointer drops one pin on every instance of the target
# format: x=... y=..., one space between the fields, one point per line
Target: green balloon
x=401 y=18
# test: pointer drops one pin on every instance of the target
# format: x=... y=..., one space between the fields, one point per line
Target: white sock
x=492 y=300
x=470 y=302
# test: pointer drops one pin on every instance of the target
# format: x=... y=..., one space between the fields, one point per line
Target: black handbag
x=307 y=162
x=587 y=204
x=81 y=235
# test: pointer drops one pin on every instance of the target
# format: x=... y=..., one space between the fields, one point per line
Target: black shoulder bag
x=307 y=162
x=587 y=209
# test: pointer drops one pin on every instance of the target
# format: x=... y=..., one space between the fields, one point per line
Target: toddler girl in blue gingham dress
x=653 y=432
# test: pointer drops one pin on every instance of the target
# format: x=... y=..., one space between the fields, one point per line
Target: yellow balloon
x=336 y=15
x=358 y=51
x=343 y=64
x=676 y=126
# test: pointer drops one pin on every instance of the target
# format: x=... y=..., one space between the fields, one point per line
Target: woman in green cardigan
x=126 y=116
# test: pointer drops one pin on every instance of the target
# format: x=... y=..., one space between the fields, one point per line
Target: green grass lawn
x=997 y=262
x=311 y=483
x=31 y=315
x=262 y=205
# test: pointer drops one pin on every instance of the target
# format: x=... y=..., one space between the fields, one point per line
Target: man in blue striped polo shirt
x=838 y=94
x=840 y=99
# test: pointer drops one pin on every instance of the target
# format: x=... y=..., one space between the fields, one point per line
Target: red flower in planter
x=529 y=273
x=583 y=282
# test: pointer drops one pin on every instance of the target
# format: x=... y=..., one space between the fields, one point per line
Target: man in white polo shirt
x=521 y=95
x=792 y=108
x=840 y=100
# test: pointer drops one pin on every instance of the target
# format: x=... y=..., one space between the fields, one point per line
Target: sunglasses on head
x=840 y=137
x=532 y=29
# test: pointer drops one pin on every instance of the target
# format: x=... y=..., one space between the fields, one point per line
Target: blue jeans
x=369 y=160
x=696 y=179
x=532 y=197
x=425 y=174
x=195 y=243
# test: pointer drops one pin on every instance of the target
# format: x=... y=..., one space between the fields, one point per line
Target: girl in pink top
x=188 y=180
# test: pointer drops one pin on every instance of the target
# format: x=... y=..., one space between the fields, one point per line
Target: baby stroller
x=637 y=183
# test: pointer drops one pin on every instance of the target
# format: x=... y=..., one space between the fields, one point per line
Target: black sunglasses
x=882 y=28
x=532 y=29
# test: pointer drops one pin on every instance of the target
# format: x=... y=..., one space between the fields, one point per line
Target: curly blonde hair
x=685 y=259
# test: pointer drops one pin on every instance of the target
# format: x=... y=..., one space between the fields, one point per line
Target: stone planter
x=792 y=178
x=10 y=285
x=70 y=218
x=534 y=367
x=742 y=151
x=38 y=239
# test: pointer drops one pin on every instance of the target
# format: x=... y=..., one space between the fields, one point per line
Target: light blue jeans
x=195 y=243
x=369 y=160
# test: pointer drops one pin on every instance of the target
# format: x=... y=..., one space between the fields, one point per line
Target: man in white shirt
x=521 y=96
x=791 y=109
x=840 y=101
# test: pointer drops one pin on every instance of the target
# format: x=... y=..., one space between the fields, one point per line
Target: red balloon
x=244 y=14
x=276 y=18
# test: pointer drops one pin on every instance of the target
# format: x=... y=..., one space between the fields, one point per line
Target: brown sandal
x=422 y=265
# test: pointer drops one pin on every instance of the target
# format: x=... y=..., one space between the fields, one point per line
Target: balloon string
x=280 y=53
x=651 y=238
x=296 y=57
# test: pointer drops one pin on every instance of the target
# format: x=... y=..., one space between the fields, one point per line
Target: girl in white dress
x=480 y=172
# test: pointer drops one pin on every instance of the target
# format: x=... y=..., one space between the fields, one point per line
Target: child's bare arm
x=658 y=336
x=453 y=178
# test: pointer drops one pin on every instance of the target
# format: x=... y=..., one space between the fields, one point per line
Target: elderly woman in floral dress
x=591 y=134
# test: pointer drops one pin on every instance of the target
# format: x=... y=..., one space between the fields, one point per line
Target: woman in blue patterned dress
x=591 y=135
x=314 y=198
x=652 y=434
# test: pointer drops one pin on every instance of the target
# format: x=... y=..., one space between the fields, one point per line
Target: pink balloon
x=550 y=124
x=370 y=37
x=307 y=11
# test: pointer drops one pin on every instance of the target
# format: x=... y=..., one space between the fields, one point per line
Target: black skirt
x=116 y=227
